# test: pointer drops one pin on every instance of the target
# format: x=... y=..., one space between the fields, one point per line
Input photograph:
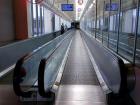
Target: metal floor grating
x=79 y=69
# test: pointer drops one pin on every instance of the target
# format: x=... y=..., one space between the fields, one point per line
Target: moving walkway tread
x=78 y=68
x=79 y=84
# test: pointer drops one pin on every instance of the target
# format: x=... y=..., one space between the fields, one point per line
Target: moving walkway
x=70 y=65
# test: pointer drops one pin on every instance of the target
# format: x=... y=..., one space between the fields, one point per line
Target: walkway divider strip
x=6 y=71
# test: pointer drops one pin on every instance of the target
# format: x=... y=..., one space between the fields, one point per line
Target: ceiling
x=71 y=14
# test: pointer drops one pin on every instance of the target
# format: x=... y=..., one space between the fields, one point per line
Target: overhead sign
x=112 y=7
x=67 y=7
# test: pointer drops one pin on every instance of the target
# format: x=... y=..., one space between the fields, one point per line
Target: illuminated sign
x=67 y=7
x=112 y=7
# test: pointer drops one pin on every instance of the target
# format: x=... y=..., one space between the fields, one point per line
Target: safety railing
x=26 y=69
x=49 y=68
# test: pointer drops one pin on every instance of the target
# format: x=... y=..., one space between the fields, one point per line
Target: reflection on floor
x=80 y=95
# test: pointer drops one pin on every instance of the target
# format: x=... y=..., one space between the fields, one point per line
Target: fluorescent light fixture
x=79 y=13
x=94 y=1
x=91 y=6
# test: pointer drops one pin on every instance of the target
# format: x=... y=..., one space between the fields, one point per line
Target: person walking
x=62 y=28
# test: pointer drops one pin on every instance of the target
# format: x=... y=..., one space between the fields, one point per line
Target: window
x=137 y=55
x=127 y=32
x=37 y=19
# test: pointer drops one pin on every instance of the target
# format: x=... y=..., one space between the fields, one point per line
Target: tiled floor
x=7 y=96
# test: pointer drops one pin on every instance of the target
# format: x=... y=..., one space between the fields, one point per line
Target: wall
x=48 y=21
x=20 y=17
x=6 y=21
x=57 y=23
x=29 y=17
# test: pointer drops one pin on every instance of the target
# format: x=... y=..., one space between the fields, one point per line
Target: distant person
x=62 y=28
x=66 y=28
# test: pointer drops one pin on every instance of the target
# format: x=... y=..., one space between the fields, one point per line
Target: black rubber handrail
x=123 y=74
x=19 y=73
x=18 y=78
x=41 y=72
